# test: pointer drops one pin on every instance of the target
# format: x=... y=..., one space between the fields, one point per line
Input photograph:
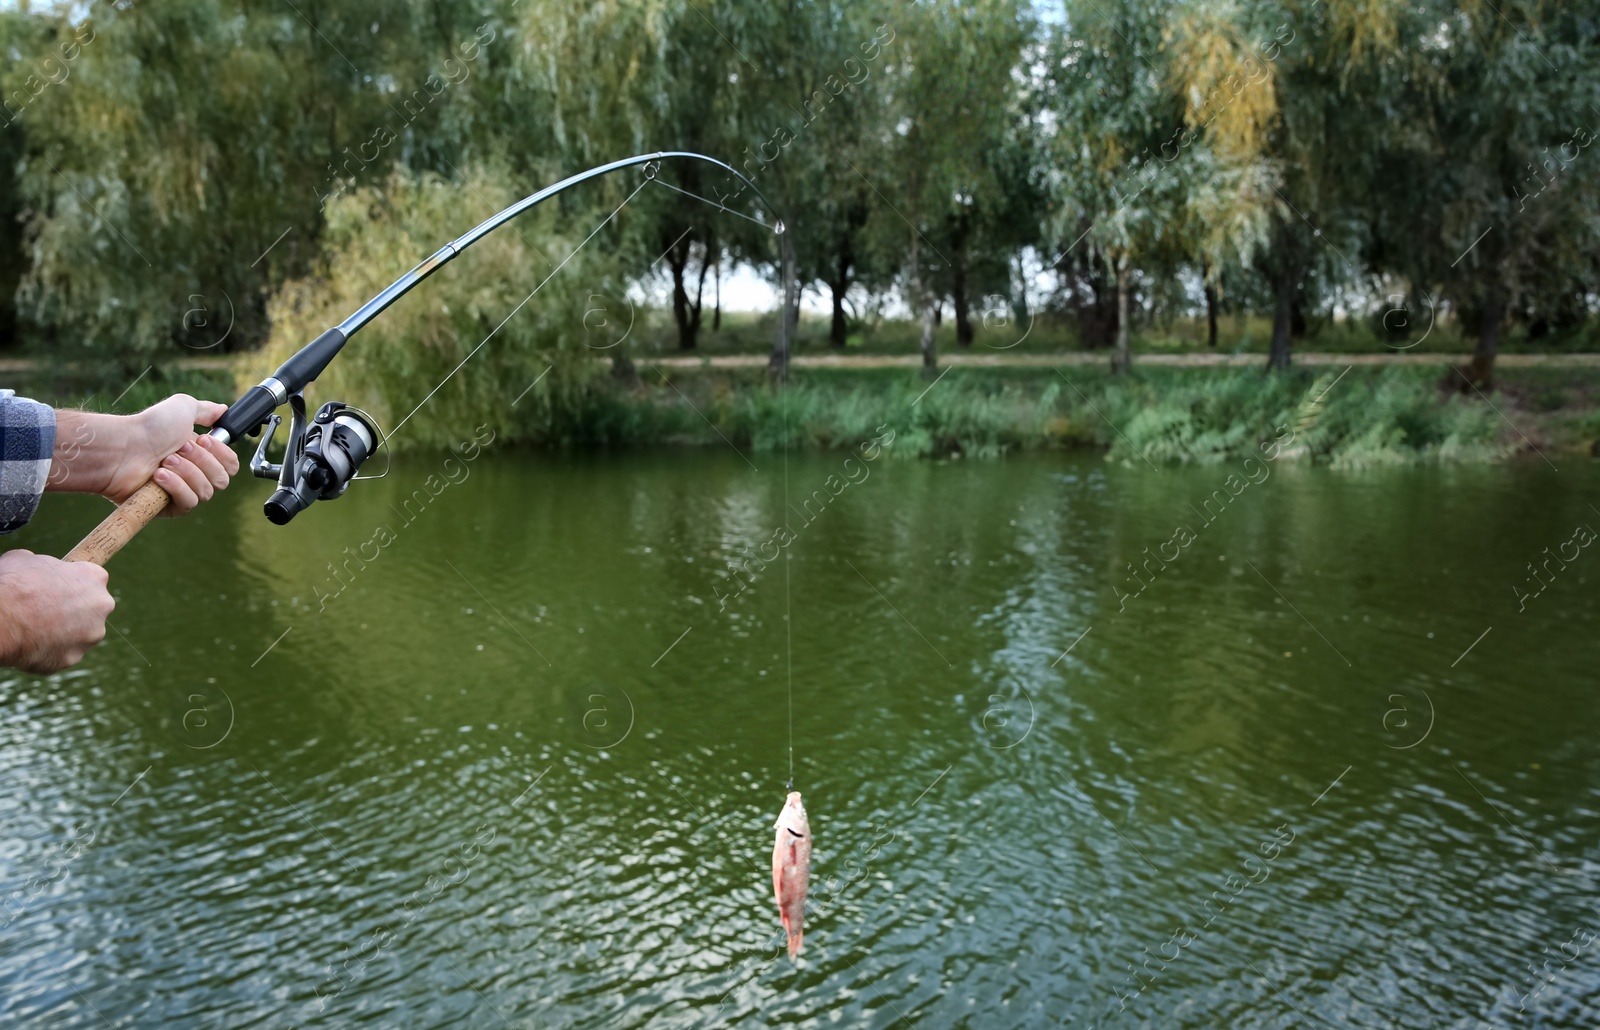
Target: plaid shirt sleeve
x=27 y=440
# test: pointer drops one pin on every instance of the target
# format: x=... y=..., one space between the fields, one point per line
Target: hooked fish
x=791 y=868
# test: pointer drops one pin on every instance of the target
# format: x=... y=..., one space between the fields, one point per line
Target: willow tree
x=1513 y=105
x=20 y=34
x=831 y=94
x=1115 y=193
x=1224 y=71
x=953 y=114
x=814 y=101
x=426 y=340
x=1335 y=64
x=184 y=162
x=618 y=79
x=720 y=78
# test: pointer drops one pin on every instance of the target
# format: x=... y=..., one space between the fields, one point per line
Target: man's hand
x=115 y=455
x=51 y=611
x=162 y=441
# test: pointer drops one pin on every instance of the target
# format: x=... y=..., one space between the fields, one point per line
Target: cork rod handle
x=119 y=527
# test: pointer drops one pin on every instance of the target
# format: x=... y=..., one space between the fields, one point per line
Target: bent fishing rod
x=323 y=454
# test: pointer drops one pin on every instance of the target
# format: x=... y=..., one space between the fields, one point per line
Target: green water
x=520 y=767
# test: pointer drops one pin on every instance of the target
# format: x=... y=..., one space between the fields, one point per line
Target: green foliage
x=982 y=421
x=196 y=176
x=1393 y=416
x=177 y=161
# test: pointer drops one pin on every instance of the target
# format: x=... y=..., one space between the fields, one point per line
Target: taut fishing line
x=788 y=610
x=791 y=845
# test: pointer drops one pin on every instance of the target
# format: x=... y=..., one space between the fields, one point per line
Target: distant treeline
x=189 y=175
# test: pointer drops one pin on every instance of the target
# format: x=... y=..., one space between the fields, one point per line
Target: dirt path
x=210 y=363
x=1092 y=358
x=978 y=360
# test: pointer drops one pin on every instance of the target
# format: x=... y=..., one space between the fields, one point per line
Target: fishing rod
x=323 y=453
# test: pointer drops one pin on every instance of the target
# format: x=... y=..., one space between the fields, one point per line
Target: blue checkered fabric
x=27 y=439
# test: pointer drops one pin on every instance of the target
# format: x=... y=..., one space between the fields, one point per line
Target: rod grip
x=119 y=527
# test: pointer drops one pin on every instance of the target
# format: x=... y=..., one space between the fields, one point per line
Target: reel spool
x=320 y=459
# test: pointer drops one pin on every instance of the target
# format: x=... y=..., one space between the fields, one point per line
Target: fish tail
x=796 y=942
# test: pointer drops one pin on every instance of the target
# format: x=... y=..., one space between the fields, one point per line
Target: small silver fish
x=791 y=869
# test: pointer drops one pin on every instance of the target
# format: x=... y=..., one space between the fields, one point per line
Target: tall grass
x=1392 y=416
x=1365 y=418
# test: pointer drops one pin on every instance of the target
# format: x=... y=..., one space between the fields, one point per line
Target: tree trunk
x=1097 y=319
x=1211 y=317
x=930 y=320
x=716 y=312
x=622 y=368
x=1211 y=306
x=1121 y=359
x=1019 y=295
x=959 y=298
x=1479 y=372
x=678 y=261
x=789 y=319
x=930 y=310
x=700 y=290
x=839 y=331
x=1282 y=317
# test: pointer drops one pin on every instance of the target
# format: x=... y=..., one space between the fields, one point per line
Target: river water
x=508 y=751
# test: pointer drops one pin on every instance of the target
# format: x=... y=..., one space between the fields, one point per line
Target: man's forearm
x=89 y=449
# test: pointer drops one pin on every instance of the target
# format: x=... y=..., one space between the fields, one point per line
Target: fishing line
x=719 y=206
x=603 y=223
x=783 y=400
x=788 y=616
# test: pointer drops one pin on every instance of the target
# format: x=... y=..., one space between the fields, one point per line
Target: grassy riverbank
x=1366 y=415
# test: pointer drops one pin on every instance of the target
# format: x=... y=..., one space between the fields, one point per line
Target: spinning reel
x=320 y=459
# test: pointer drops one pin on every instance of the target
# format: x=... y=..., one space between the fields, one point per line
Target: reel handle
x=120 y=526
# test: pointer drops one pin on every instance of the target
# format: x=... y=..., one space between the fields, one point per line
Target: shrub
x=476 y=331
